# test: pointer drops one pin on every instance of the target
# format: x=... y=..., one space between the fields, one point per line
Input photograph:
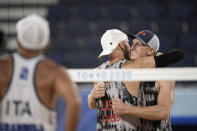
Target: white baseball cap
x=33 y=32
x=110 y=39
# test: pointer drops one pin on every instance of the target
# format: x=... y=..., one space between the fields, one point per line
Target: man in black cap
x=155 y=98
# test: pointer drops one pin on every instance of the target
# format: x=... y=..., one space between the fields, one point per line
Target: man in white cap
x=115 y=45
x=30 y=83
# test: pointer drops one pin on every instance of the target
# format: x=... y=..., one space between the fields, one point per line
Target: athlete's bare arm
x=161 y=111
x=52 y=81
x=164 y=60
x=97 y=92
x=142 y=62
x=67 y=89
x=5 y=74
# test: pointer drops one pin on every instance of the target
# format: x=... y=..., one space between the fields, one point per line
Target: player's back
x=27 y=95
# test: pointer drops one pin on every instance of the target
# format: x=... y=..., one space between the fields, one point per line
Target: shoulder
x=49 y=64
x=51 y=67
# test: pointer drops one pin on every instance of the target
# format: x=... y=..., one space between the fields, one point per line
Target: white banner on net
x=96 y=75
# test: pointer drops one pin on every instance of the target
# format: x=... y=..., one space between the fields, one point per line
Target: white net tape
x=96 y=75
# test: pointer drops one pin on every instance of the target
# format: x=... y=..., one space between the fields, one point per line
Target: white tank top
x=21 y=108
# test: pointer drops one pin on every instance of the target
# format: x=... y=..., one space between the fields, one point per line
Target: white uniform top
x=21 y=108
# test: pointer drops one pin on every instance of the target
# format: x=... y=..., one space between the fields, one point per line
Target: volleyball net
x=184 y=111
x=142 y=74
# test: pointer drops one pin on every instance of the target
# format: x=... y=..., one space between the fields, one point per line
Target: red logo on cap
x=142 y=33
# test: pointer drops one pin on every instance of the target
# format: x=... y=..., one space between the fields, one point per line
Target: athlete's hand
x=98 y=91
x=118 y=106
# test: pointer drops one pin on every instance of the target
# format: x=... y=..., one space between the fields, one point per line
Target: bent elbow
x=164 y=116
